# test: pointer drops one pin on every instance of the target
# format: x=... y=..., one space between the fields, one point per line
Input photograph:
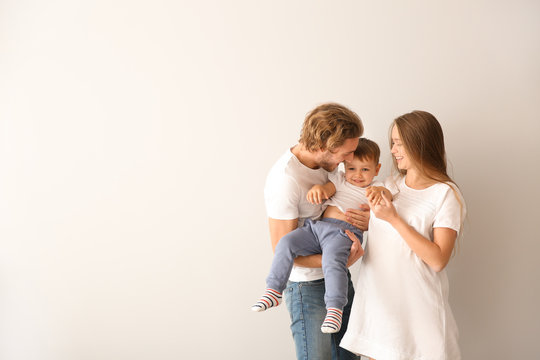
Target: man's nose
x=349 y=157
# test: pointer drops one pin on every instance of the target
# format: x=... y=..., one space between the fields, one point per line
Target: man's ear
x=377 y=169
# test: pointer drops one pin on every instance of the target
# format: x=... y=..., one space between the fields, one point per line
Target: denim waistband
x=342 y=224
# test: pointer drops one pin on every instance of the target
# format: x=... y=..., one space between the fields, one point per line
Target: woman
x=400 y=310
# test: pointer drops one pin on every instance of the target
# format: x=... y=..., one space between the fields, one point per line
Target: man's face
x=329 y=160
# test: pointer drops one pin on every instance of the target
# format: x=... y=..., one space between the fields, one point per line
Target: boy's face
x=361 y=172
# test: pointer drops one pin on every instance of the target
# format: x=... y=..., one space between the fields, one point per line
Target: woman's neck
x=416 y=180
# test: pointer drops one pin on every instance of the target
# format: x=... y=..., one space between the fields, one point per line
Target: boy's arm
x=319 y=193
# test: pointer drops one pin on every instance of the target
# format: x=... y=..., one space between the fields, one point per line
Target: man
x=329 y=136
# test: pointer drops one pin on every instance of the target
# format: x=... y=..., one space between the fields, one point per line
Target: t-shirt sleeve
x=282 y=198
x=336 y=177
x=451 y=210
x=391 y=184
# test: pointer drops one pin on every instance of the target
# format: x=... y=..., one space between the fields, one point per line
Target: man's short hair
x=367 y=150
x=328 y=126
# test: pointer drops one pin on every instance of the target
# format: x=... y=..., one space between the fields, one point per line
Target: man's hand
x=356 y=248
x=359 y=218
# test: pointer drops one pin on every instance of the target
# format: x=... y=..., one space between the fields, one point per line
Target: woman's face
x=403 y=160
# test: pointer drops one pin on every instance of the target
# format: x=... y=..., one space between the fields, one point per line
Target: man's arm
x=280 y=228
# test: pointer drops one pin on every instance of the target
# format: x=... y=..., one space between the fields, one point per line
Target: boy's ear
x=377 y=169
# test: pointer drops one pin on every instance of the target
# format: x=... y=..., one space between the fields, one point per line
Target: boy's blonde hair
x=328 y=126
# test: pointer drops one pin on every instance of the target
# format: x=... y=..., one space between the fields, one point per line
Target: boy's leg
x=335 y=245
x=300 y=242
x=337 y=351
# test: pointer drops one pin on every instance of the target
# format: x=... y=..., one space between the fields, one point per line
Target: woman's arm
x=436 y=253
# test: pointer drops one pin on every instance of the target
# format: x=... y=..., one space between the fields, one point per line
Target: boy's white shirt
x=347 y=196
x=285 y=193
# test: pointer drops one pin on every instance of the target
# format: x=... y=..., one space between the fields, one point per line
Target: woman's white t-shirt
x=400 y=309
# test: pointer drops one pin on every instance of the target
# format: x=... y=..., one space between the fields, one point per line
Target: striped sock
x=332 y=321
x=269 y=299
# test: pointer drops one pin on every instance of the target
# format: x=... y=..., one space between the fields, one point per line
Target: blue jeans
x=305 y=303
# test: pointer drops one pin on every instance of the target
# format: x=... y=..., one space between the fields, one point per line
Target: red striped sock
x=332 y=321
x=270 y=298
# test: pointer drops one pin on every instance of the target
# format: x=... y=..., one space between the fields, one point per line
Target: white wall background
x=135 y=137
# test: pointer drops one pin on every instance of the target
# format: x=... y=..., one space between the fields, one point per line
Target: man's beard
x=326 y=162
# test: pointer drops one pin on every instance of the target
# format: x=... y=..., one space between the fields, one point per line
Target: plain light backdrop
x=135 y=137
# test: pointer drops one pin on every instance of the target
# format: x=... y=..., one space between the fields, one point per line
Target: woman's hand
x=359 y=218
x=356 y=248
x=374 y=194
x=383 y=208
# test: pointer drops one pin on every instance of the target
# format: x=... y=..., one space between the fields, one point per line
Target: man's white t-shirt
x=285 y=191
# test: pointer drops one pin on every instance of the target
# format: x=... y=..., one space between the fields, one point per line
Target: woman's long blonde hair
x=423 y=139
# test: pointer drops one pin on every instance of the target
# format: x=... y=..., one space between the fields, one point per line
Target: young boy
x=327 y=235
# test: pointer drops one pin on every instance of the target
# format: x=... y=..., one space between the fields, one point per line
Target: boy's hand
x=317 y=195
x=374 y=194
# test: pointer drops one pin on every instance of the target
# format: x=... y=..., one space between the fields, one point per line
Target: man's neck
x=306 y=157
